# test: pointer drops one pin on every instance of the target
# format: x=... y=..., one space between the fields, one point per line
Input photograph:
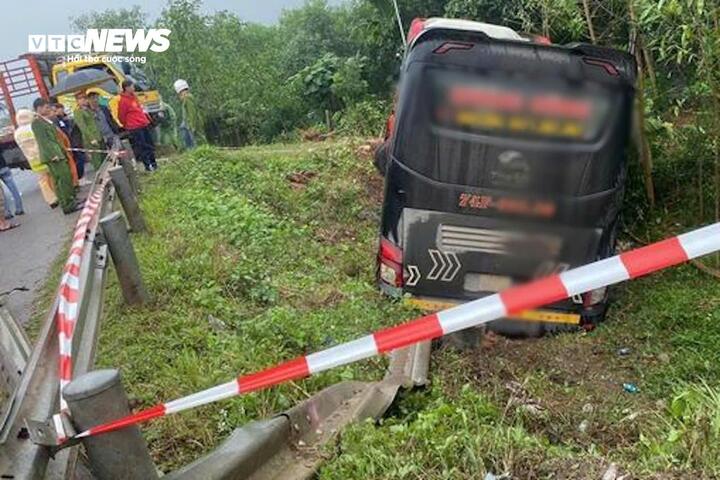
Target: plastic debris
x=492 y=476
x=216 y=324
x=624 y=352
x=582 y=428
x=631 y=388
x=611 y=473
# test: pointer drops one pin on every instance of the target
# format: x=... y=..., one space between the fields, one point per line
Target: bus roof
x=421 y=26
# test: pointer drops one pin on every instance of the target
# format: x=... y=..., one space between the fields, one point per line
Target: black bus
x=506 y=163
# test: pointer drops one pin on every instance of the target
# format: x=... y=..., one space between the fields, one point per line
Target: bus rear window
x=518 y=108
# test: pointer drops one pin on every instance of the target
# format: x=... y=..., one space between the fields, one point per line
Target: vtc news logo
x=112 y=40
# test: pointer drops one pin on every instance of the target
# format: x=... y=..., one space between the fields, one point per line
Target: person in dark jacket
x=71 y=129
x=109 y=128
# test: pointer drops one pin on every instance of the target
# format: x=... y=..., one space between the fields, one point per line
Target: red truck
x=21 y=81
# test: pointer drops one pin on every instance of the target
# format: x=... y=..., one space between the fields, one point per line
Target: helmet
x=180 y=85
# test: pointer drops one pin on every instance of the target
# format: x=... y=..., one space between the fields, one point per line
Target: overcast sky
x=23 y=17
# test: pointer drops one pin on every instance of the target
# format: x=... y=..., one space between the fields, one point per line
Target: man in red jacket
x=137 y=123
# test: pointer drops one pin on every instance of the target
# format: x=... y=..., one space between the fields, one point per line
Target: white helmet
x=180 y=85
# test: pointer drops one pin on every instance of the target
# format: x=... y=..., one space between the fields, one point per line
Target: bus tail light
x=390 y=263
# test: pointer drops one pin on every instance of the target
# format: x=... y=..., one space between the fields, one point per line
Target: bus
x=506 y=163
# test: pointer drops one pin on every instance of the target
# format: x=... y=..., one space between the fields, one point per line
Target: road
x=28 y=252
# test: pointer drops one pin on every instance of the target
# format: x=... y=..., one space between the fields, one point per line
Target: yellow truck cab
x=148 y=97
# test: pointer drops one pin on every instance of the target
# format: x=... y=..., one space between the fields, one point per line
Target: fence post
x=97 y=397
x=124 y=258
x=130 y=173
x=127 y=199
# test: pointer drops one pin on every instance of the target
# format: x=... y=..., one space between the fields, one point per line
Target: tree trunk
x=588 y=20
x=638 y=130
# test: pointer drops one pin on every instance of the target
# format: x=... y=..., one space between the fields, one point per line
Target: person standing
x=25 y=139
x=168 y=127
x=54 y=155
x=192 y=125
x=7 y=178
x=109 y=129
x=137 y=123
x=91 y=137
x=65 y=142
x=72 y=131
x=4 y=224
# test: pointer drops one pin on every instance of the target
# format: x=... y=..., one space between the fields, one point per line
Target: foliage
x=348 y=84
x=132 y=17
x=463 y=436
x=317 y=80
x=688 y=436
x=365 y=118
x=560 y=20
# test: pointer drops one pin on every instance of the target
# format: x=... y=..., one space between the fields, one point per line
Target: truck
x=32 y=75
x=21 y=80
x=149 y=98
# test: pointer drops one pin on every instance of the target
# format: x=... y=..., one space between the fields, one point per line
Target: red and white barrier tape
x=628 y=265
x=69 y=292
x=111 y=152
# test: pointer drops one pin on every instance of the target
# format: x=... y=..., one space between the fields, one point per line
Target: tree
x=132 y=17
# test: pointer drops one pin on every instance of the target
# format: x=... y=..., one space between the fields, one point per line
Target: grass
x=255 y=257
x=259 y=255
x=556 y=408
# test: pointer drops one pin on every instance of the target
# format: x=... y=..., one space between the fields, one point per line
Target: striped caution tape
x=629 y=265
x=90 y=150
x=69 y=292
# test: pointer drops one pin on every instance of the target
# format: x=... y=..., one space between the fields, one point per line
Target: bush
x=365 y=118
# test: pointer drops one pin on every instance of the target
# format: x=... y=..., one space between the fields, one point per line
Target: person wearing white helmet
x=192 y=125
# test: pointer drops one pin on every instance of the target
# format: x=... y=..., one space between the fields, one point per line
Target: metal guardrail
x=287 y=446
x=36 y=394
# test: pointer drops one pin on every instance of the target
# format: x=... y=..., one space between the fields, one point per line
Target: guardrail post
x=127 y=199
x=130 y=173
x=124 y=258
x=98 y=397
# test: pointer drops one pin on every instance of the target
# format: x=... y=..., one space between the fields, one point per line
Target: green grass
x=245 y=270
x=252 y=261
x=668 y=430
